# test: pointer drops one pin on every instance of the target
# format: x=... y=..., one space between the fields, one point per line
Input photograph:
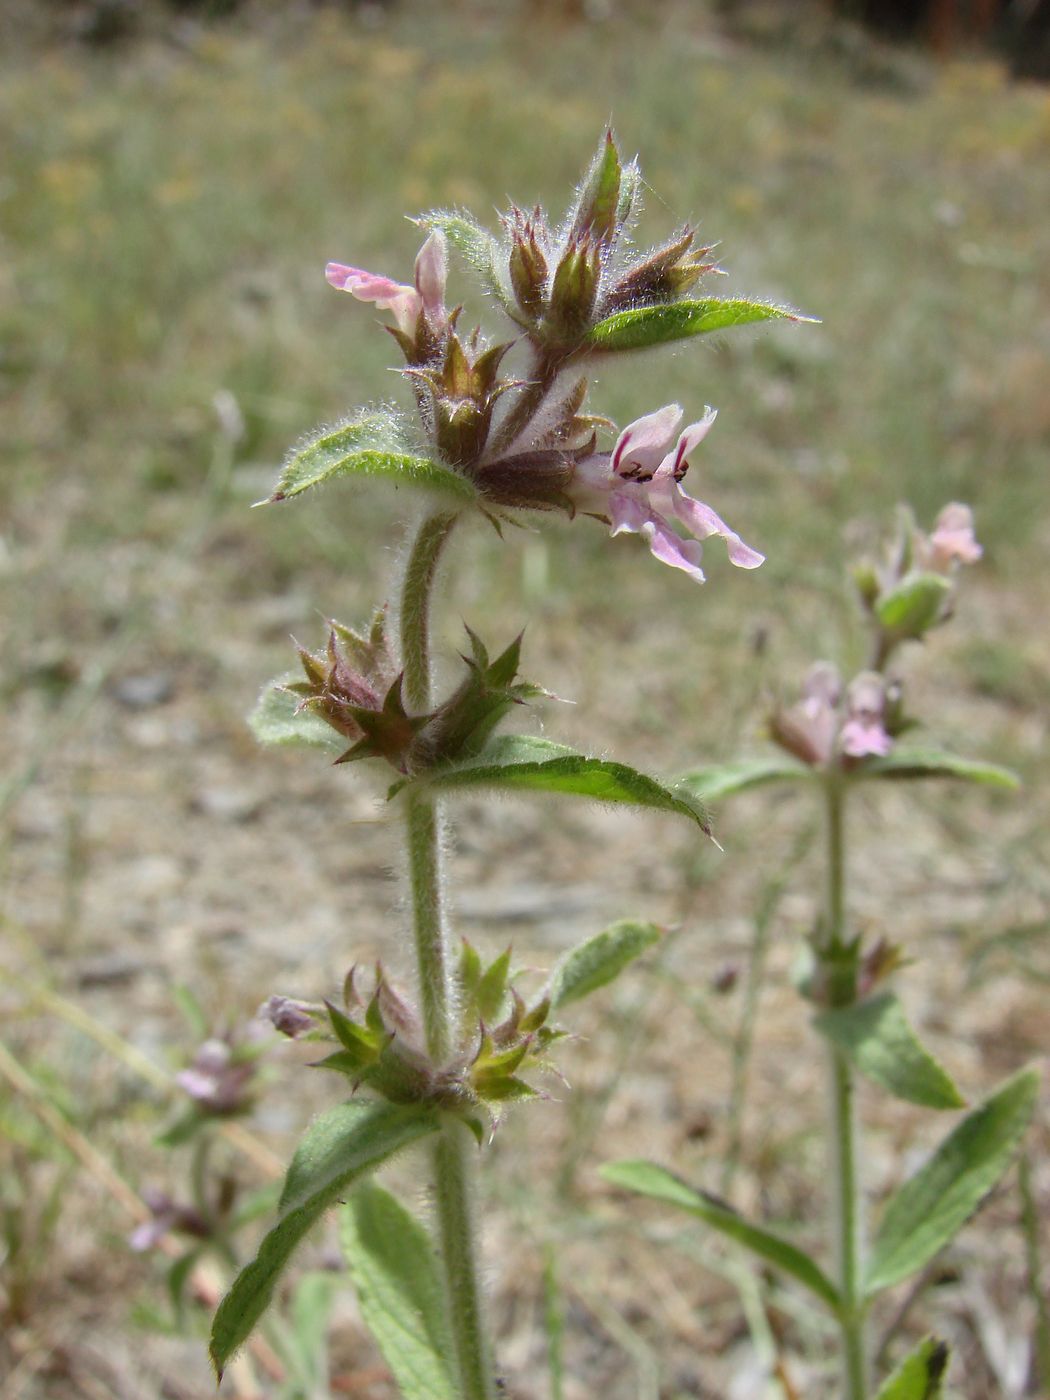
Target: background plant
x=836 y=737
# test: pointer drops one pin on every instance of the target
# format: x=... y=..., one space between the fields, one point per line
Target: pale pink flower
x=637 y=487
x=864 y=733
x=406 y=303
x=953 y=538
x=810 y=728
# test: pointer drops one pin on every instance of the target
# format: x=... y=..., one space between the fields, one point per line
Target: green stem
x=416 y=590
x=847 y=1203
x=454 y=1156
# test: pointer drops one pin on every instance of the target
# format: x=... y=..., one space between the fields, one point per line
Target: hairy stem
x=416 y=589
x=544 y=374
x=847 y=1202
x=452 y=1159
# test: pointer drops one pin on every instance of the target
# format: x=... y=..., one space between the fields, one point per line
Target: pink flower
x=953 y=538
x=810 y=728
x=864 y=733
x=637 y=487
x=406 y=303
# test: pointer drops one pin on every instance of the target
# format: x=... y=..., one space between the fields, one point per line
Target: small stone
x=227 y=804
x=143 y=691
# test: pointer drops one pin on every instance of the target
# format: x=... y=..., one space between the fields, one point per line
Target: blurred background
x=173 y=179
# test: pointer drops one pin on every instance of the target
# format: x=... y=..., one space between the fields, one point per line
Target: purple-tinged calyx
x=637 y=488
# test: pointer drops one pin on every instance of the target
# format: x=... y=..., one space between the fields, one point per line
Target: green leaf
x=277 y=719
x=340 y=1148
x=920 y=1375
x=914 y=605
x=399 y=1289
x=651 y=1180
x=305 y=1347
x=479 y=250
x=930 y=1208
x=372 y=445
x=724 y=779
x=643 y=326
x=600 y=960
x=877 y=1038
x=519 y=762
x=908 y=762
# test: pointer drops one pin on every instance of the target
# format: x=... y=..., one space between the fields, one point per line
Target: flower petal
x=431 y=274
x=627 y=513
x=701 y=522
x=670 y=548
x=388 y=295
x=643 y=443
x=691 y=437
x=953 y=536
x=864 y=737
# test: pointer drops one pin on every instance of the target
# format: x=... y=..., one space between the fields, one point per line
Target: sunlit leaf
x=399 y=1290
x=518 y=762
x=876 y=1036
x=643 y=326
x=599 y=960
x=933 y=1205
x=648 y=1179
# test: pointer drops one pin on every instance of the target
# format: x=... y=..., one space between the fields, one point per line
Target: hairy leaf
x=399 y=1290
x=599 y=960
x=724 y=779
x=876 y=1036
x=278 y=720
x=908 y=762
x=518 y=762
x=643 y=326
x=340 y=1148
x=479 y=250
x=920 y=1376
x=373 y=445
x=930 y=1208
x=651 y=1180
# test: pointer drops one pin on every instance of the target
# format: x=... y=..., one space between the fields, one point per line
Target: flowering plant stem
x=847 y=1204
x=452 y=1158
